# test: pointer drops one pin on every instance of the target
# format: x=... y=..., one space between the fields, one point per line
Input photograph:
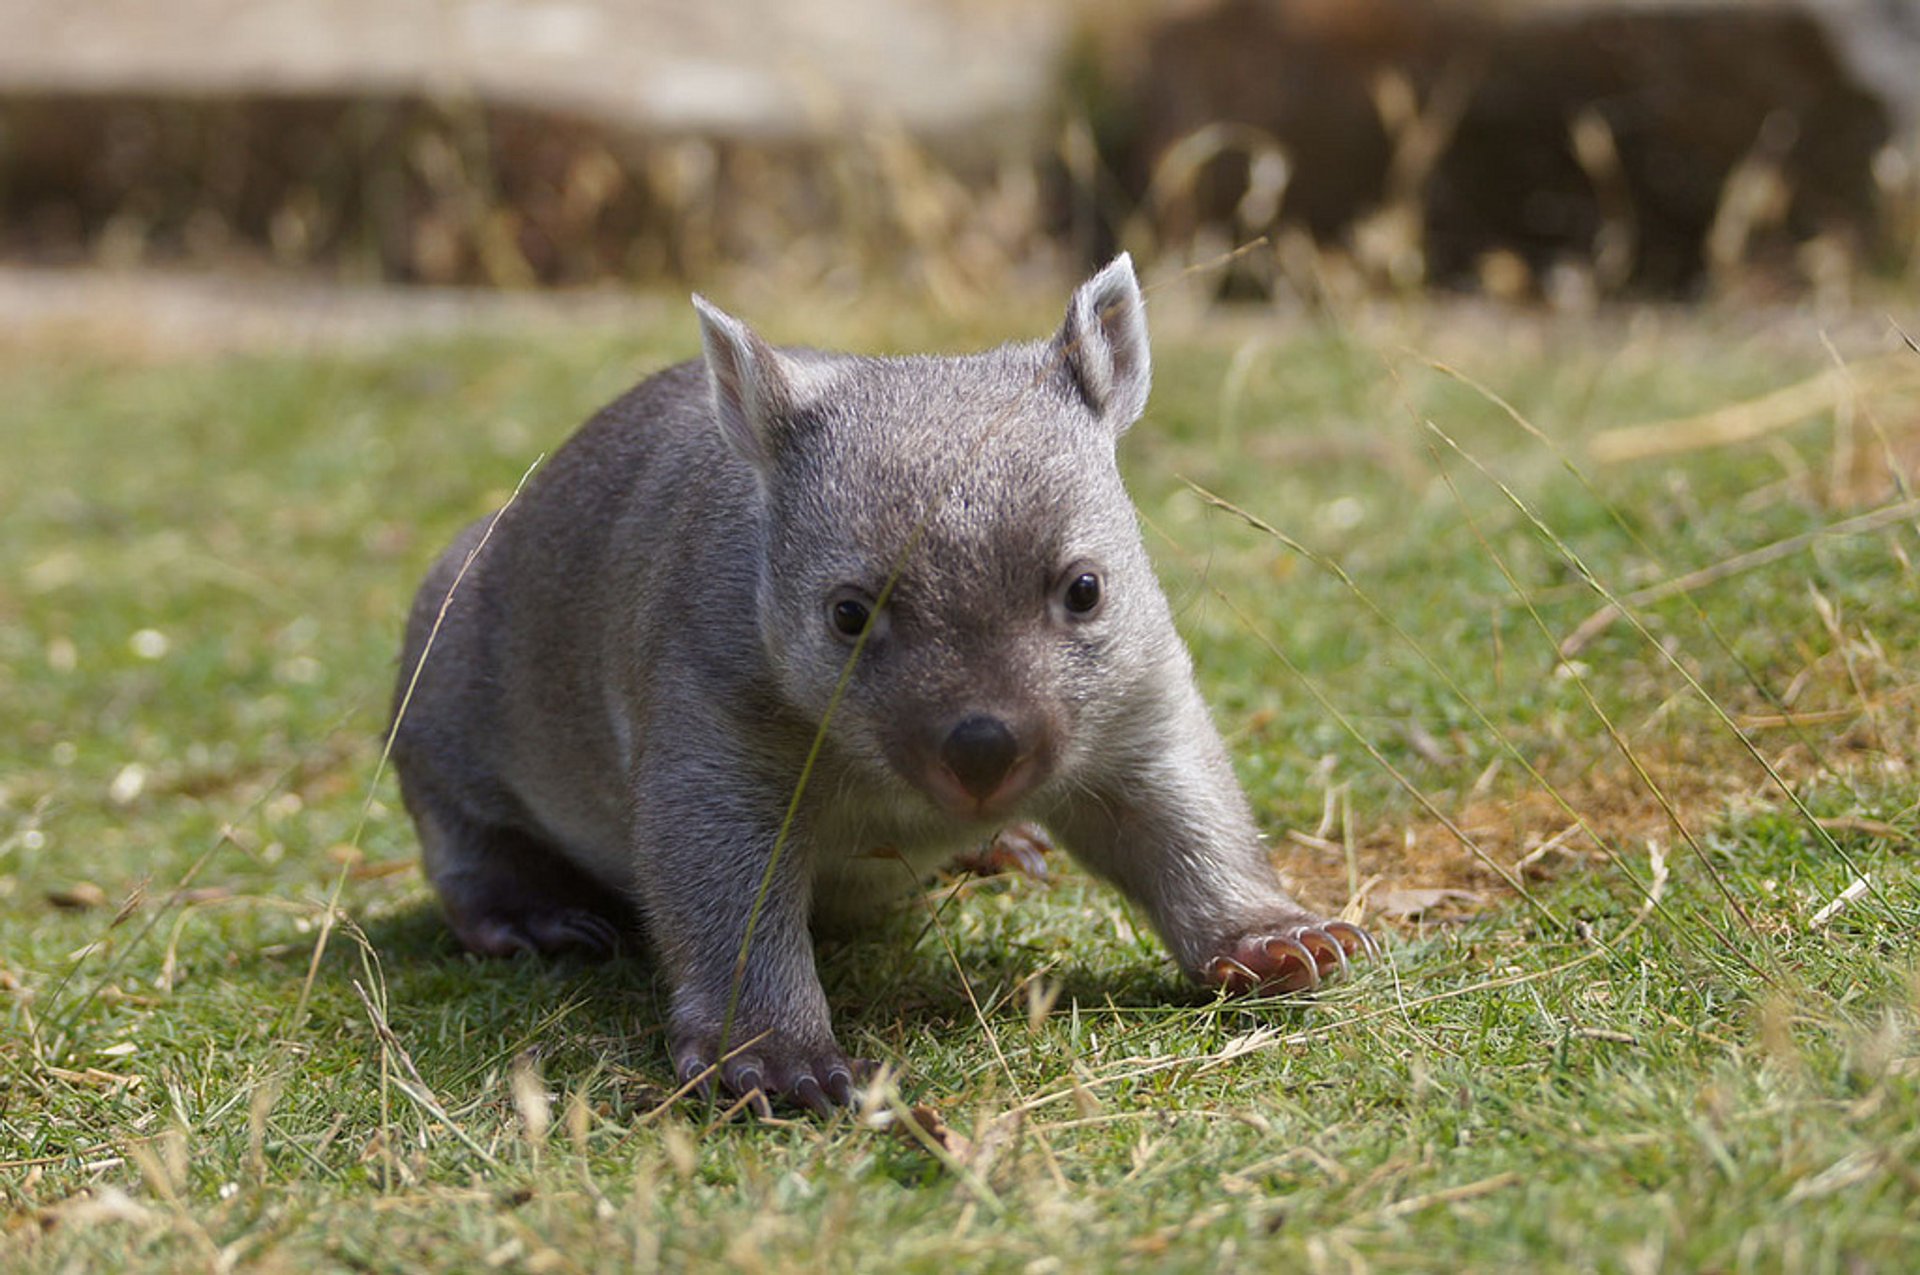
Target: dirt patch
x=1530 y=836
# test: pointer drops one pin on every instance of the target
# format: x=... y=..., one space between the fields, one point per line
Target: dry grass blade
x=1603 y=619
x=426 y=649
x=1592 y=701
x=1867 y=827
x=413 y=1085
x=1855 y=891
x=1755 y=418
x=1452 y=1194
x=914 y=1122
x=1176 y=173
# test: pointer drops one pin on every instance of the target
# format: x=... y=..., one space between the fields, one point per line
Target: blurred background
x=1549 y=153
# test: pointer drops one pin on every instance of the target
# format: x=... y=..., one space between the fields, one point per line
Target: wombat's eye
x=1080 y=594
x=849 y=617
x=849 y=611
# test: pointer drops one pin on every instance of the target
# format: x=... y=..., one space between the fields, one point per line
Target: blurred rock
x=1651 y=144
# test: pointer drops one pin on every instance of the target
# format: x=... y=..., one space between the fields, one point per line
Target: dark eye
x=849 y=616
x=1083 y=593
x=851 y=611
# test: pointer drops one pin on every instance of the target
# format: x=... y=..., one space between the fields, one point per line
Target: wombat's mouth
x=958 y=800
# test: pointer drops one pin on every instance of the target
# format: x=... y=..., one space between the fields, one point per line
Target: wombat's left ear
x=1104 y=344
x=752 y=386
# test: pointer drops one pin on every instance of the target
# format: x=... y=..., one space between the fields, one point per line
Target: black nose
x=980 y=751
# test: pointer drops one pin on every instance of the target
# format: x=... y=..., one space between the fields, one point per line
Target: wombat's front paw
x=819 y=1078
x=1018 y=847
x=1292 y=957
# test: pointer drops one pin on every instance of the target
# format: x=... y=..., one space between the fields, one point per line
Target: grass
x=237 y=1034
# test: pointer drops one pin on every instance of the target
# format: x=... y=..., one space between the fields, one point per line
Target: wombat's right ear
x=1104 y=344
x=753 y=392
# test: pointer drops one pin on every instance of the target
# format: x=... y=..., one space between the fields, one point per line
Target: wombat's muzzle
x=984 y=764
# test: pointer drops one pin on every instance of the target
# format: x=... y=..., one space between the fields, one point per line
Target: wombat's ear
x=753 y=391
x=1104 y=344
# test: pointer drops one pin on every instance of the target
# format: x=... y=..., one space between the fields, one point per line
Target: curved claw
x=1020 y=847
x=581 y=931
x=1232 y=975
x=745 y=1078
x=696 y=1072
x=1291 y=946
x=1362 y=942
x=539 y=933
x=1321 y=943
x=806 y=1091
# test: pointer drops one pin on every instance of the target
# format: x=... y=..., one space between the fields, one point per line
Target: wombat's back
x=524 y=707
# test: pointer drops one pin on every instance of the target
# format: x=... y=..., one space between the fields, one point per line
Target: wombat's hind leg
x=506 y=892
x=1291 y=957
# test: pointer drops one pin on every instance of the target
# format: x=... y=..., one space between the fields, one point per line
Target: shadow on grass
x=463 y=1019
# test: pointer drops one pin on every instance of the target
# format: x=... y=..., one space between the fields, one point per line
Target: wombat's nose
x=980 y=751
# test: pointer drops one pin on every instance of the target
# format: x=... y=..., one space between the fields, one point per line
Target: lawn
x=1649 y=996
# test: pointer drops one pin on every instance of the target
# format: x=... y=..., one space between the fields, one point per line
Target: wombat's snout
x=983 y=764
x=980 y=751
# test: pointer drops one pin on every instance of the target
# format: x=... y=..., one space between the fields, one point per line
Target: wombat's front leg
x=1174 y=833
x=705 y=860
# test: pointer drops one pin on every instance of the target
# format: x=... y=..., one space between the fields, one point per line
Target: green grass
x=202 y=579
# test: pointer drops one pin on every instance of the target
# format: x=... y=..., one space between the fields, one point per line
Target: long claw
x=1019 y=847
x=1362 y=942
x=1320 y=941
x=1231 y=974
x=749 y=1082
x=807 y=1092
x=1294 y=947
x=774 y=1074
x=608 y=934
x=695 y=1071
x=587 y=932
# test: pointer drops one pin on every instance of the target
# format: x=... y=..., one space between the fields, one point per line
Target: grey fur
x=631 y=674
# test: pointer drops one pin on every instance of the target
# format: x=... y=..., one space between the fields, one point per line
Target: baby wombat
x=918 y=584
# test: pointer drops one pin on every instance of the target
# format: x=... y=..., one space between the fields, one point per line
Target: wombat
x=915 y=583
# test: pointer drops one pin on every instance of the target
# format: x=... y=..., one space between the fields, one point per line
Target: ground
x=1648 y=997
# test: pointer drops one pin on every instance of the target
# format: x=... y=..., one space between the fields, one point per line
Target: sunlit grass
x=1663 y=1059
